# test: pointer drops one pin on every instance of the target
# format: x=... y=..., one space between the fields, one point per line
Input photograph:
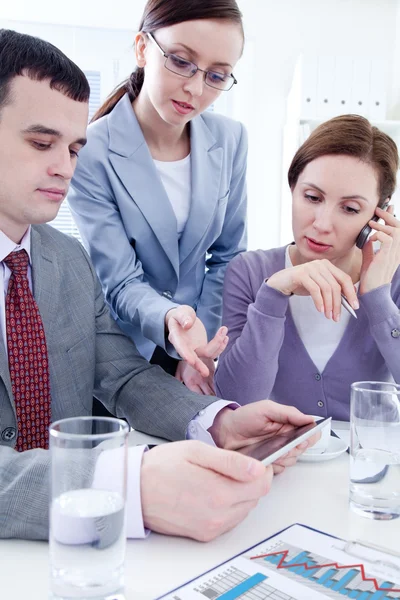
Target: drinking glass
x=375 y=449
x=87 y=508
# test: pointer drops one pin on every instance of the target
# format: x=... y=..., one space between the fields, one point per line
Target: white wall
x=281 y=30
x=106 y=50
x=276 y=30
x=120 y=14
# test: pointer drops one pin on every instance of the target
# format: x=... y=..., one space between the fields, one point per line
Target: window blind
x=64 y=221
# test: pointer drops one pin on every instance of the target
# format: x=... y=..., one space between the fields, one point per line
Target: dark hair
x=163 y=13
x=22 y=54
x=351 y=135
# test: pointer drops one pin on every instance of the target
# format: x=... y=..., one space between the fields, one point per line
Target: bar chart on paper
x=323 y=575
x=234 y=584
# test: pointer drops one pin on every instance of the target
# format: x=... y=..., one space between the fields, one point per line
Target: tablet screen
x=265 y=448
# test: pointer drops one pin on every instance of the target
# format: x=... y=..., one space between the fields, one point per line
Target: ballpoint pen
x=347 y=306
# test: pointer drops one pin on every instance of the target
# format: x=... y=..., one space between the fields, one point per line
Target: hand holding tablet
x=269 y=450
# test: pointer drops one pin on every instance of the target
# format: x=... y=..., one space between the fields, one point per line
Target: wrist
x=219 y=430
x=168 y=316
x=270 y=283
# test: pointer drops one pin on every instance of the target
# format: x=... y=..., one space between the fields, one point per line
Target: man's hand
x=258 y=421
x=194 y=490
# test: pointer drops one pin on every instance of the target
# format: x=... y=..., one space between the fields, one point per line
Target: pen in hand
x=347 y=306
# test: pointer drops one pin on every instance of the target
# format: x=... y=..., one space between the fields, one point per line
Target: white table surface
x=314 y=494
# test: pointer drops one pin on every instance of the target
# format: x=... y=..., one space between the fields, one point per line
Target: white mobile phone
x=268 y=451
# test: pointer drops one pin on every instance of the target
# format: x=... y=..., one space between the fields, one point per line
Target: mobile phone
x=366 y=230
x=268 y=451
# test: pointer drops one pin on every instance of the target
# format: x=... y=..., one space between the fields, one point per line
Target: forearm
x=156 y=403
x=140 y=304
x=248 y=368
x=209 y=308
x=24 y=494
x=25 y=488
x=384 y=322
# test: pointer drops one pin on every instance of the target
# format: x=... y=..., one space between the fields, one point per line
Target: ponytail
x=130 y=86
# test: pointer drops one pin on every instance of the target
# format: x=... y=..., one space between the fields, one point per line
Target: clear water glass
x=87 y=508
x=375 y=449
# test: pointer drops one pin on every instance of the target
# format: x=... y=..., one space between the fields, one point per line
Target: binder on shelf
x=325 y=83
x=361 y=86
x=309 y=87
x=378 y=90
x=342 y=85
x=299 y=562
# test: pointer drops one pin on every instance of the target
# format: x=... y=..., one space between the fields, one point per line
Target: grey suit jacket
x=88 y=356
x=129 y=227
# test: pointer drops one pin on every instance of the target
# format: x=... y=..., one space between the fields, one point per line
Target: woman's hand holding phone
x=379 y=267
x=321 y=280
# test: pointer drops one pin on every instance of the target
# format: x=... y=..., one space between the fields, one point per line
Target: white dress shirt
x=6 y=247
x=106 y=466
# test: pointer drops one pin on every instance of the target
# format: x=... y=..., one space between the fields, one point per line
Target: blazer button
x=320 y=403
x=167 y=294
x=317 y=376
x=8 y=434
x=395 y=333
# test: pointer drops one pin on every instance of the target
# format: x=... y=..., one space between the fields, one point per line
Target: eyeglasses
x=185 y=68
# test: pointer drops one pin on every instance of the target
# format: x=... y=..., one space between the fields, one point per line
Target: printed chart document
x=300 y=563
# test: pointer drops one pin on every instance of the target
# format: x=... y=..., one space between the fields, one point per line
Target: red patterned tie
x=27 y=357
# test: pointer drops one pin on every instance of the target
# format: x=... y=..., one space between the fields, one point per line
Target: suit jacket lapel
x=206 y=164
x=5 y=376
x=45 y=281
x=133 y=164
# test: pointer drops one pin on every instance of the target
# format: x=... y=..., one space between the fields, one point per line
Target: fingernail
x=252 y=467
x=303 y=445
x=337 y=318
x=321 y=308
x=329 y=315
x=186 y=322
x=356 y=304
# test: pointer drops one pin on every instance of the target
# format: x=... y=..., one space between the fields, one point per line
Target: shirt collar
x=7 y=245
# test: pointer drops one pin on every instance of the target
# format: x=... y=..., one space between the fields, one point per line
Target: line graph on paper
x=234 y=584
x=325 y=576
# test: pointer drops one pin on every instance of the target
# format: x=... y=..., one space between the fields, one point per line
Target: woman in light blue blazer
x=159 y=193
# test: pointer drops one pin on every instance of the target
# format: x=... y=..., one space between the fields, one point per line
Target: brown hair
x=351 y=135
x=163 y=13
x=22 y=54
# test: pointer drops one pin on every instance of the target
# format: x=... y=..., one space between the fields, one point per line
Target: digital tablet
x=268 y=451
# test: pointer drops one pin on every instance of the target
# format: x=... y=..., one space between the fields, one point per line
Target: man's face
x=41 y=133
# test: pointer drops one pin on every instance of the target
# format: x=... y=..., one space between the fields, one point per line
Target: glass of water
x=87 y=508
x=375 y=449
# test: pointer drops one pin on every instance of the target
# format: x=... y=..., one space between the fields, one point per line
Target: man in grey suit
x=188 y=488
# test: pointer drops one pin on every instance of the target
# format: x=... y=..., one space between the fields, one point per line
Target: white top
x=177 y=181
x=320 y=336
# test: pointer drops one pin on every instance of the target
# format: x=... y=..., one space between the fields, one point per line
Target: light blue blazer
x=130 y=231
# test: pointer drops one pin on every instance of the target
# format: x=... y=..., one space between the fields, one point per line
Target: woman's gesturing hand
x=379 y=267
x=189 y=337
x=321 y=280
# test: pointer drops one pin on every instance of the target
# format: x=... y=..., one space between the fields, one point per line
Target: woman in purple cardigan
x=289 y=338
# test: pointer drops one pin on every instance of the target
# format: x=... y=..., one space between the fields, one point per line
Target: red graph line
x=335 y=565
